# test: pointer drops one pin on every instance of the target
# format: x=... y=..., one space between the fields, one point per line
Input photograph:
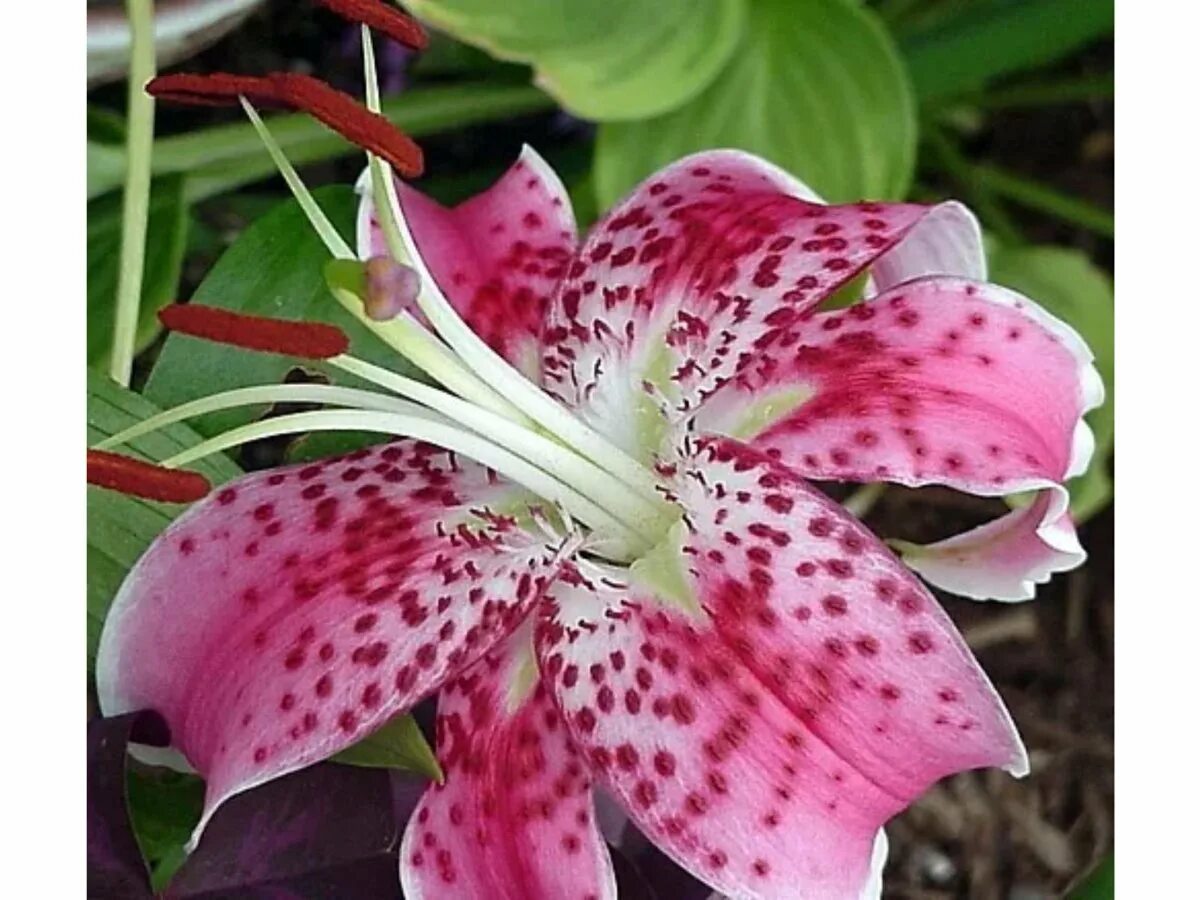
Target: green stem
x=1046 y=199
x=1072 y=90
x=135 y=214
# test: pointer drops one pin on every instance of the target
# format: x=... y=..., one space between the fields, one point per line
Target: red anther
x=382 y=17
x=218 y=89
x=336 y=109
x=308 y=340
x=143 y=479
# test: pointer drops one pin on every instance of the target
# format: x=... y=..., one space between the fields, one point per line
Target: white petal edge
x=873 y=889
x=941 y=563
x=946 y=241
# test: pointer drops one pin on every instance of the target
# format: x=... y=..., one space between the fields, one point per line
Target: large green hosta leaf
x=815 y=87
x=602 y=59
x=1067 y=284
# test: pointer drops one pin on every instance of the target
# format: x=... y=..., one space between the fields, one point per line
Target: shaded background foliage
x=1005 y=104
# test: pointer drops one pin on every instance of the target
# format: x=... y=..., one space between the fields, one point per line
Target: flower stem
x=139 y=147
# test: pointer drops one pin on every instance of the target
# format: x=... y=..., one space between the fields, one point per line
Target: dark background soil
x=980 y=835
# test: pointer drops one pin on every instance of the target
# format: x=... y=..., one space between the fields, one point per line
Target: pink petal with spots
x=937 y=381
x=1006 y=558
x=514 y=819
x=947 y=241
x=708 y=261
x=497 y=257
x=296 y=610
x=762 y=714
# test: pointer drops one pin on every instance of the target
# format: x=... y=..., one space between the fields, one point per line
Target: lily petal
x=497 y=257
x=296 y=610
x=698 y=272
x=947 y=241
x=514 y=818
x=936 y=381
x=1006 y=558
x=772 y=688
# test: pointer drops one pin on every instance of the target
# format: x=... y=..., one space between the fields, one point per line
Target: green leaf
x=1101 y=884
x=105 y=150
x=105 y=167
x=164 y=807
x=999 y=37
x=166 y=238
x=816 y=88
x=397 y=745
x=120 y=528
x=275 y=268
x=602 y=59
x=1071 y=287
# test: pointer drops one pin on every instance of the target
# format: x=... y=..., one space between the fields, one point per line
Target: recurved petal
x=295 y=610
x=497 y=256
x=514 y=819
x=771 y=687
x=936 y=381
x=1006 y=558
x=947 y=241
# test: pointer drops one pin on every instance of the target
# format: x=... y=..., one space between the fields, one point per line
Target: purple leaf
x=116 y=868
x=326 y=831
x=646 y=873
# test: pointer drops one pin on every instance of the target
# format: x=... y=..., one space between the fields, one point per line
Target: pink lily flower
x=625 y=579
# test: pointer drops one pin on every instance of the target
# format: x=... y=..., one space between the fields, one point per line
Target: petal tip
x=873 y=889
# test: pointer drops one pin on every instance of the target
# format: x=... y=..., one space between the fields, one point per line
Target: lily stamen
x=306 y=340
x=399 y=27
x=293 y=90
x=131 y=476
x=640 y=515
